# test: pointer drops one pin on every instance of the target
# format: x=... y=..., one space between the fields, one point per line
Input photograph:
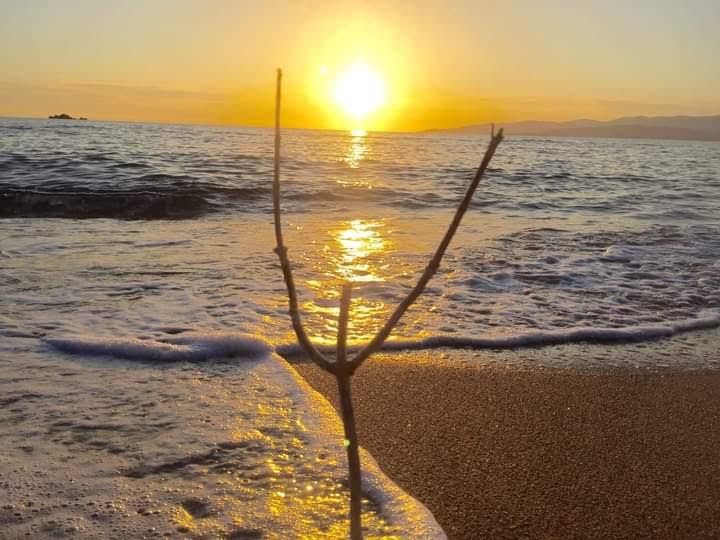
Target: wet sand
x=533 y=452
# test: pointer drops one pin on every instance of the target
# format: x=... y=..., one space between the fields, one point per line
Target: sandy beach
x=538 y=452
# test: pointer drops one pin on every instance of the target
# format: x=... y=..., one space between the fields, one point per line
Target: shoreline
x=511 y=451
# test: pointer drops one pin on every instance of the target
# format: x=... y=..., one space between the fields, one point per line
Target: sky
x=435 y=64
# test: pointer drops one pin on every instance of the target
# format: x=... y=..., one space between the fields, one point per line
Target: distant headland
x=700 y=128
x=64 y=116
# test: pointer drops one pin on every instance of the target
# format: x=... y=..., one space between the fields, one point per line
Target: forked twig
x=342 y=368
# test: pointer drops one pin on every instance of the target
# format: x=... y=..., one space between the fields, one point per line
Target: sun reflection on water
x=355 y=252
x=358 y=240
x=357 y=151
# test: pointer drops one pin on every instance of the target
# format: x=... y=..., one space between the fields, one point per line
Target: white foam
x=190 y=348
x=252 y=444
x=619 y=253
x=630 y=334
x=197 y=347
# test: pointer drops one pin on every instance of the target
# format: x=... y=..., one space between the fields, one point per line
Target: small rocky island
x=64 y=116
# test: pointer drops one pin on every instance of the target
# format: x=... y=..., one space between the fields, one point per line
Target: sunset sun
x=359 y=91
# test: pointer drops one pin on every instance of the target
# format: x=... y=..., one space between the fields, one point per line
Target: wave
x=120 y=205
x=198 y=347
x=96 y=186
x=606 y=336
x=184 y=200
x=168 y=203
x=186 y=348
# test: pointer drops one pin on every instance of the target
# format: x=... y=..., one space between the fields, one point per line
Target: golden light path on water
x=358 y=152
x=357 y=242
x=381 y=253
x=355 y=252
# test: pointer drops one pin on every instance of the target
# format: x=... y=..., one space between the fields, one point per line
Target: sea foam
x=217 y=449
x=633 y=334
x=198 y=347
x=188 y=348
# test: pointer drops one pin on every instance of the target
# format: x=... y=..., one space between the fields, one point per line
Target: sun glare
x=359 y=91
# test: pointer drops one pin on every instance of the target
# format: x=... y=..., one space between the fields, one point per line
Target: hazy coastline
x=691 y=128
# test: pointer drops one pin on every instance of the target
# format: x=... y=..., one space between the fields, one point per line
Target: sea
x=143 y=314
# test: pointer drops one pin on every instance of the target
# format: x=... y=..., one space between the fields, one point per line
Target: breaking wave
x=198 y=347
x=606 y=336
x=119 y=205
x=187 y=348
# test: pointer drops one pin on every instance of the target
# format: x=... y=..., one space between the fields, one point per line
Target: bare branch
x=348 y=416
x=434 y=264
x=342 y=326
x=281 y=250
x=342 y=368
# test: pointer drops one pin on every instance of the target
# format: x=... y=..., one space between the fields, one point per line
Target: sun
x=359 y=91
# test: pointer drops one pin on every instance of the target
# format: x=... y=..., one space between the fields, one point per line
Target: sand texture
x=507 y=452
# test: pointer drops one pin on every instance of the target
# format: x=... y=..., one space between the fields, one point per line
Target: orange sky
x=443 y=64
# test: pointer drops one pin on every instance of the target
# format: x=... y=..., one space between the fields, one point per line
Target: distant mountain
x=700 y=128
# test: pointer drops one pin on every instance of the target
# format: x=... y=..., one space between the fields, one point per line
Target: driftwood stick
x=281 y=250
x=434 y=264
x=348 y=416
x=342 y=325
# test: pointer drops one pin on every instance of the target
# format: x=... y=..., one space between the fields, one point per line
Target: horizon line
x=426 y=130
